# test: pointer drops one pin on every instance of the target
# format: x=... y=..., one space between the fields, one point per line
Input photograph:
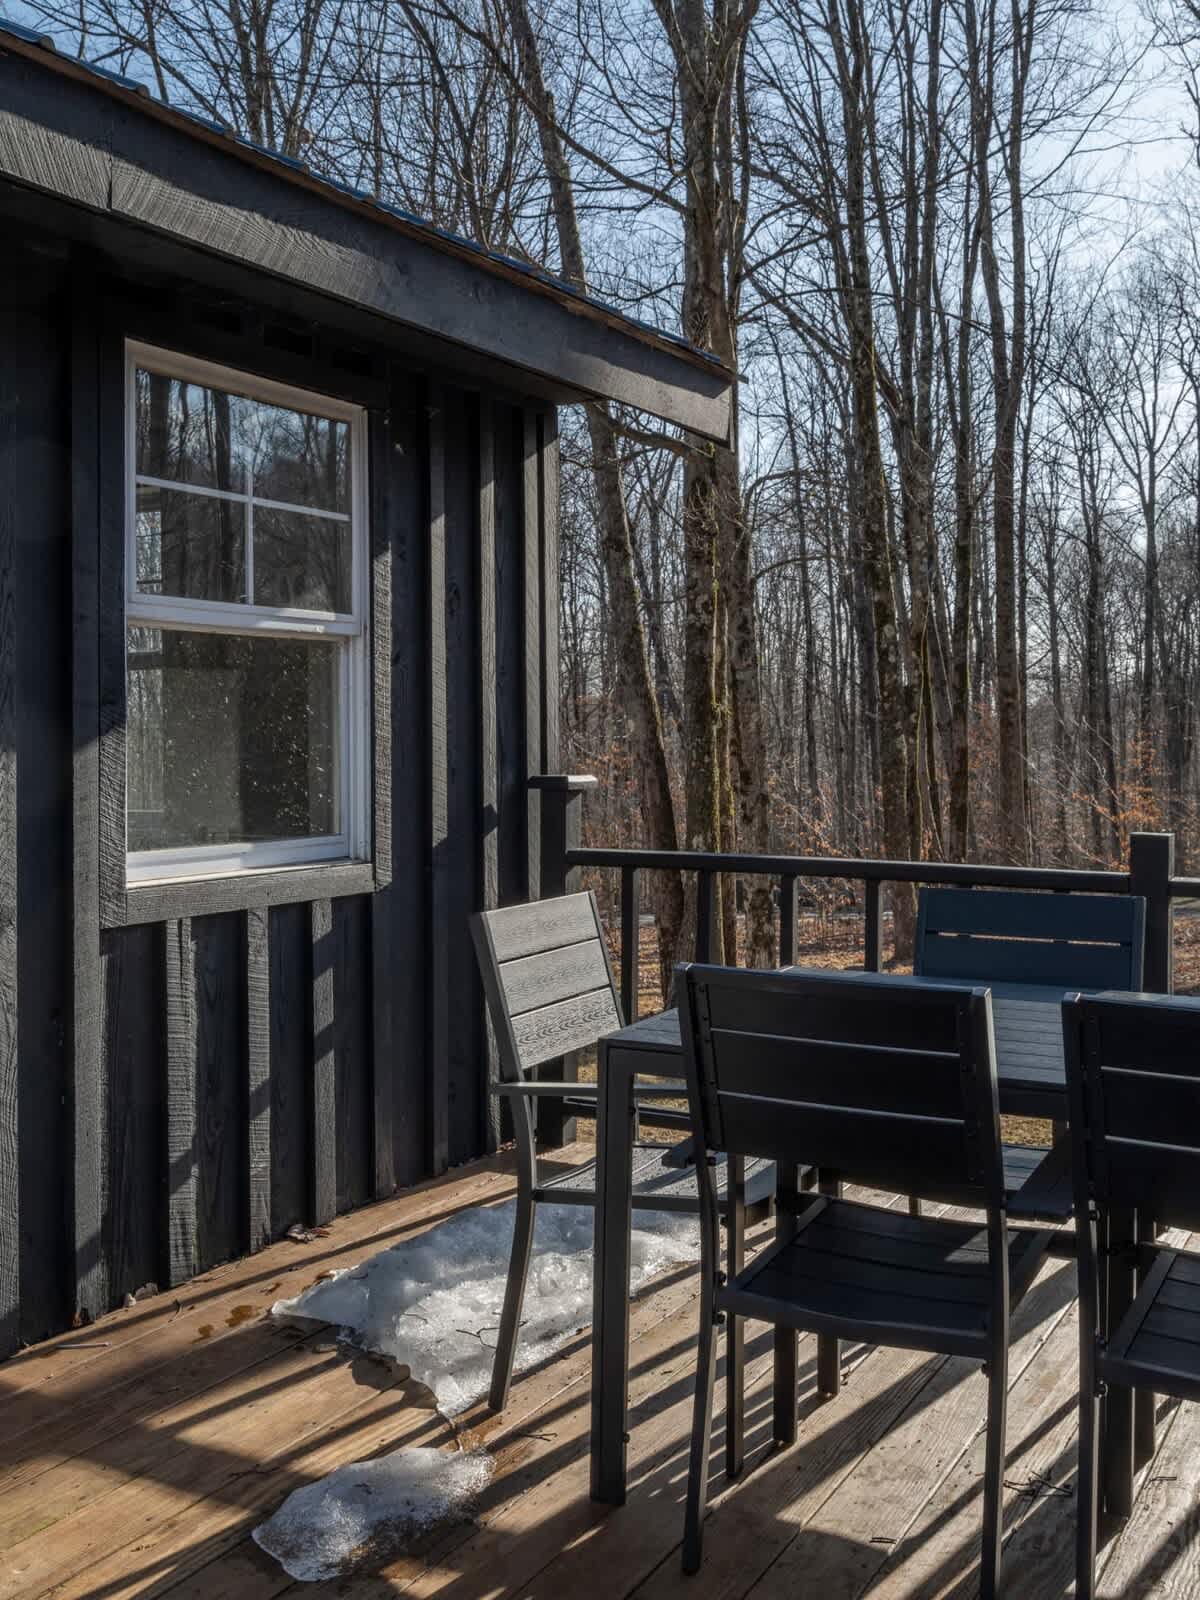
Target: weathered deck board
x=139 y=1453
x=65 y=1375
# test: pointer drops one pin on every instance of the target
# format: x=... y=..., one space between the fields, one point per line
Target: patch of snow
x=433 y=1303
x=370 y=1510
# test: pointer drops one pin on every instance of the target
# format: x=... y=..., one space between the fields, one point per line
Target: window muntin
x=247 y=688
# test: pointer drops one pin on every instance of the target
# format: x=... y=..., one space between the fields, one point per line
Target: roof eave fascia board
x=116 y=152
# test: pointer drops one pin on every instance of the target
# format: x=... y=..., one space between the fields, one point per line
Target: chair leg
x=829 y=1361
x=993 y=1477
x=787 y=1197
x=514 y=1300
x=1087 y=1522
x=697 y=1489
x=784 y=1429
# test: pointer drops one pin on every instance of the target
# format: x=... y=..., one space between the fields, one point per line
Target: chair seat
x=658 y=1185
x=1038 y=1182
x=861 y=1272
x=1157 y=1344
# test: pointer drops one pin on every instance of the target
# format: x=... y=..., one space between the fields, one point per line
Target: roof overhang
x=100 y=144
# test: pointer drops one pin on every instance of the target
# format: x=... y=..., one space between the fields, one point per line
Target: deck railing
x=1150 y=873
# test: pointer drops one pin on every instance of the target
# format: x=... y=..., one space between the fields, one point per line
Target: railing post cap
x=564 y=782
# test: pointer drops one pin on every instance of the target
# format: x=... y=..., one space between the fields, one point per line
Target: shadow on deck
x=136 y=1455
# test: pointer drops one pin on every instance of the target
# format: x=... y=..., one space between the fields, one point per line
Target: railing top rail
x=963 y=874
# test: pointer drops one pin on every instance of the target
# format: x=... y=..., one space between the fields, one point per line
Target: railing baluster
x=872 y=927
x=705 y=893
x=787 y=921
x=631 y=906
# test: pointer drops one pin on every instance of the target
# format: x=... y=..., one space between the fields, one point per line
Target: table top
x=1029 y=1049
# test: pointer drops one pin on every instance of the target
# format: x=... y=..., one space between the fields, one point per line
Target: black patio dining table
x=1032 y=1083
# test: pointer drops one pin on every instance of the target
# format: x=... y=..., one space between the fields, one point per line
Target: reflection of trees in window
x=230 y=738
x=234 y=719
x=193 y=544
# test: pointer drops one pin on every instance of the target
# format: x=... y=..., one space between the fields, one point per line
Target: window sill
x=241 y=891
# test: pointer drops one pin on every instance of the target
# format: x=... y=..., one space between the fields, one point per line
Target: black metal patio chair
x=1044 y=941
x=1133 y=1073
x=550 y=991
x=895 y=1082
x=1060 y=941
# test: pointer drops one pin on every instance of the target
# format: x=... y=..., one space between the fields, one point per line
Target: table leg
x=1118 y=1464
x=610 y=1276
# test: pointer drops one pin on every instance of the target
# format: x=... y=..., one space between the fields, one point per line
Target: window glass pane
x=297 y=457
x=301 y=560
x=190 y=544
x=230 y=739
x=189 y=434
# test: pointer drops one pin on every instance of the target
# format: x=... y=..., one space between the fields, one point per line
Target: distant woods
x=941 y=595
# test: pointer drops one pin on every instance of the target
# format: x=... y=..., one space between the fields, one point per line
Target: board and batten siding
x=195 y=1079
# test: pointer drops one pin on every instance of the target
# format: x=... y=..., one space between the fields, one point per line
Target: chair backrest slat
x=554 y=975
x=541 y=925
x=573 y=1024
x=1133 y=1067
x=893 y=1082
x=548 y=979
x=1062 y=940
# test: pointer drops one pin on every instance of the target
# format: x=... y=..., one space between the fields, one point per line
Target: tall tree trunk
x=708 y=55
x=854 y=272
x=1008 y=372
x=635 y=685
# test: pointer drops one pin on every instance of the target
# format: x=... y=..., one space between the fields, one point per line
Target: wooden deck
x=137 y=1454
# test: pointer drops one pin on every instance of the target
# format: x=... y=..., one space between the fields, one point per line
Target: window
x=247 y=740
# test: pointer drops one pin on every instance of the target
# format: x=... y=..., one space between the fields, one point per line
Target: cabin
x=278 y=677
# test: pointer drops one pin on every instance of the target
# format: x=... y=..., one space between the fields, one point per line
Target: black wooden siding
x=195 y=1079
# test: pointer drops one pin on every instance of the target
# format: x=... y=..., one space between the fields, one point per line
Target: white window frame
x=353 y=843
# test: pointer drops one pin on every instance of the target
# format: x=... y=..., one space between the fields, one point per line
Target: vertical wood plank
x=553 y=1126
x=258 y=1077
x=110 y=640
x=87 y=1108
x=290 y=950
x=323 y=1084
x=10 y=1262
x=182 y=1254
x=352 y=1050
x=439 y=816
x=548 y=442
x=510 y=678
x=531 y=532
x=35 y=491
x=404 y=902
x=489 y=788
x=135 y=1083
x=383 y=1175
x=219 y=990
x=466 y=1082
